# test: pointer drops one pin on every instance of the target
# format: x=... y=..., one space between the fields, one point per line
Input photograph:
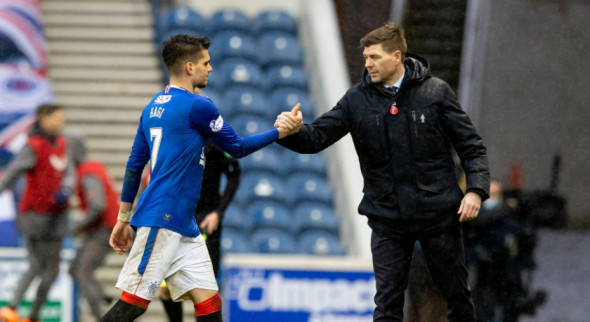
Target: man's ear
x=398 y=55
x=188 y=68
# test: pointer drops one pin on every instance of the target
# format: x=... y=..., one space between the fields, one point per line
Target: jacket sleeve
x=467 y=143
x=321 y=133
x=232 y=171
x=24 y=161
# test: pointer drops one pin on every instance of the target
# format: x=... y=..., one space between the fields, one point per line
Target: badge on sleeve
x=393 y=110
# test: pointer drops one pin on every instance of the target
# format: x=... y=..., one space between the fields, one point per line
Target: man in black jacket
x=404 y=123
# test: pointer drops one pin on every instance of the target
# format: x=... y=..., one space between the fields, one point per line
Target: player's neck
x=182 y=83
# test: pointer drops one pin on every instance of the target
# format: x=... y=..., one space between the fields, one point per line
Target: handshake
x=289 y=122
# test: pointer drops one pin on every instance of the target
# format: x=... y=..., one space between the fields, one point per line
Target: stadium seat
x=269 y=214
x=265 y=160
x=283 y=99
x=180 y=20
x=241 y=72
x=274 y=20
x=234 y=241
x=233 y=44
x=235 y=218
x=308 y=187
x=297 y=163
x=260 y=186
x=286 y=76
x=248 y=101
x=320 y=243
x=246 y=125
x=229 y=19
x=280 y=48
x=315 y=216
x=273 y=241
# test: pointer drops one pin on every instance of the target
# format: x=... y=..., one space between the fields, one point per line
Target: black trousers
x=443 y=249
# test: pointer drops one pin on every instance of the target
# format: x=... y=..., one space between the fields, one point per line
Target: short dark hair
x=47 y=109
x=181 y=48
x=390 y=36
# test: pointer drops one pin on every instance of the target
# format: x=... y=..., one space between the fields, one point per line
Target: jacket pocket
x=372 y=144
x=427 y=139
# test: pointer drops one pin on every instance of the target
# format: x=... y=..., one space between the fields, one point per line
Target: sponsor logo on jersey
x=162 y=99
x=217 y=124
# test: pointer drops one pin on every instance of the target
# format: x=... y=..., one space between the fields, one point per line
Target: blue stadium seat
x=269 y=214
x=246 y=125
x=241 y=72
x=265 y=160
x=280 y=48
x=320 y=243
x=214 y=95
x=274 y=20
x=273 y=241
x=215 y=80
x=308 y=187
x=235 y=218
x=229 y=19
x=286 y=76
x=233 y=44
x=297 y=163
x=248 y=101
x=260 y=186
x=184 y=19
x=234 y=241
x=283 y=99
x=315 y=216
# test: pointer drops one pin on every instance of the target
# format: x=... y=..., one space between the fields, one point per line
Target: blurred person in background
x=99 y=201
x=492 y=249
x=42 y=216
x=404 y=124
x=210 y=211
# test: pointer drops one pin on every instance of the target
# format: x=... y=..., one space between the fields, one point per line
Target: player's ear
x=189 y=68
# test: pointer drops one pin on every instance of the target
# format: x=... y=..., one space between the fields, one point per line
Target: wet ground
x=563 y=260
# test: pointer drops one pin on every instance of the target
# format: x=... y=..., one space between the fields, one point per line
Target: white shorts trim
x=158 y=254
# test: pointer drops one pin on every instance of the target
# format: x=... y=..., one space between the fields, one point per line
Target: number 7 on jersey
x=156 y=137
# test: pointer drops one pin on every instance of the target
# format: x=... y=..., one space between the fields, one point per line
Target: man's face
x=201 y=70
x=381 y=65
x=53 y=123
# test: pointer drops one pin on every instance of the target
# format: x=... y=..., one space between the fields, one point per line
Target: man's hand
x=470 y=206
x=210 y=223
x=289 y=122
x=121 y=237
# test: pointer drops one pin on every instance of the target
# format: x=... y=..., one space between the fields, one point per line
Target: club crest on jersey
x=217 y=124
x=162 y=99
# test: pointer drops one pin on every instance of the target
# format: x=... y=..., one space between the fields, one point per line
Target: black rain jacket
x=405 y=158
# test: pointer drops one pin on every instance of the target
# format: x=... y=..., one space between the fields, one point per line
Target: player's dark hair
x=46 y=109
x=390 y=36
x=182 y=48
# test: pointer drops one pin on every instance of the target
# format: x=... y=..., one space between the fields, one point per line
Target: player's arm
x=321 y=133
x=24 y=161
x=122 y=235
x=206 y=119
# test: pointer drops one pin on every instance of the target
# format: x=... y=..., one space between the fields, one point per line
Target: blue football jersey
x=171 y=135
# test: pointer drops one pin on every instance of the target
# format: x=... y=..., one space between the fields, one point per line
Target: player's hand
x=121 y=237
x=210 y=223
x=289 y=122
x=470 y=206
